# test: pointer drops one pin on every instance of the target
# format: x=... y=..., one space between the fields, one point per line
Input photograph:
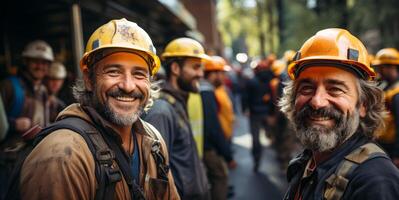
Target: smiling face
x=121 y=87
x=326 y=107
x=190 y=74
x=37 y=67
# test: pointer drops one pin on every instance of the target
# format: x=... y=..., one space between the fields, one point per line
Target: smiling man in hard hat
x=182 y=60
x=100 y=148
x=24 y=97
x=336 y=108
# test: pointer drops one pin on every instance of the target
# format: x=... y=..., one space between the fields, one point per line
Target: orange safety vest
x=225 y=111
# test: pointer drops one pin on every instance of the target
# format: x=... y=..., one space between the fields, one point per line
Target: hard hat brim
x=294 y=65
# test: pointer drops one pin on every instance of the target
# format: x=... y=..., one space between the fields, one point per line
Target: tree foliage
x=287 y=26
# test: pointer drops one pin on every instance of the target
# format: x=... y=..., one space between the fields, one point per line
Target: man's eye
x=113 y=73
x=335 y=90
x=306 y=90
x=140 y=75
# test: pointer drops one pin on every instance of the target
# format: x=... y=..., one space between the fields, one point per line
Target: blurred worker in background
x=387 y=63
x=54 y=83
x=336 y=108
x=260 y=105
x=217 y=150
x=183 y=62
x=24 y=97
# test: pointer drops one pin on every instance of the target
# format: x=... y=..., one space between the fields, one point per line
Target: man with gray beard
x=99 y=148
x=336 y=109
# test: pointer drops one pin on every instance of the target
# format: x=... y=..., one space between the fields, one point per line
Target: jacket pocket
x=158 y=188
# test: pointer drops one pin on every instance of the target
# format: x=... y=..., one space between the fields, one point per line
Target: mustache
x=330 y=112
x=120 y=93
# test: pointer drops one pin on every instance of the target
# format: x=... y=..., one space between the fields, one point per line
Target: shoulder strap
x=180 y=110
x=160 y=160
x=19 y=97
x=337 y=182
x=107 y=175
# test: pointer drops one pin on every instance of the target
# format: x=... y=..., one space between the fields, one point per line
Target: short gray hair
x=369 y=95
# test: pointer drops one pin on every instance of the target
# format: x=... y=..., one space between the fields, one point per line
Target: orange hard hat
x=333 y=47
x=216 y=63
x=278 y=67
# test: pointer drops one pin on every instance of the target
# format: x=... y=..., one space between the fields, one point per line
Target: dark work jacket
x=374 y=179
x=256 y=89
x=172 y=122
x=213 y=132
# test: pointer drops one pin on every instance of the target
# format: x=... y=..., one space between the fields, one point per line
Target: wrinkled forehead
x=327 y=76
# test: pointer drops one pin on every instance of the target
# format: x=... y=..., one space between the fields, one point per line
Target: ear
x=87 y=81
x=175 y=69
x=362 y=111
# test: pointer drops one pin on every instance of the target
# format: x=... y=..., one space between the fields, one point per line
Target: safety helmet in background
x=57 y=71
x=184 y=47
x=387 y=56
x=38 y=49
x=216 y=63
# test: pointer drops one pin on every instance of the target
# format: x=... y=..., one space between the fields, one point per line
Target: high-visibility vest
x=196 y=118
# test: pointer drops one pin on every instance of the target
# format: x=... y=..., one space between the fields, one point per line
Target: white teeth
x=125 y=98
x=320 y=118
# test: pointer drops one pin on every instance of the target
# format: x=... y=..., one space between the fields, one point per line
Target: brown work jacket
x=61 y=166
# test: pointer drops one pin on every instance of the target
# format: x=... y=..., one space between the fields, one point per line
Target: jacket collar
x=298 y=164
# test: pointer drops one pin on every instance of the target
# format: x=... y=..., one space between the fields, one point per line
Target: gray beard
x=121 y=120
x=110 y=115
x=320 y=138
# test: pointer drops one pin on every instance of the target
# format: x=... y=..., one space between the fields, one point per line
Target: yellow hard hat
x=278 y=67
x=184 y=47
x=335 y=47
x=387 y=56
x=120 y=35
x=216 y=63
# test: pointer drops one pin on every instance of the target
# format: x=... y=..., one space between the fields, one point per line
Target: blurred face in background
x=54 y=85
x=37 y=68
x=216 y=78
x=389 y=72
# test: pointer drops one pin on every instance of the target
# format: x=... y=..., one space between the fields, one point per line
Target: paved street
x=267 y=184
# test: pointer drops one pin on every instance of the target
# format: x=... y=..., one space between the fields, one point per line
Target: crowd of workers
x=139 y=131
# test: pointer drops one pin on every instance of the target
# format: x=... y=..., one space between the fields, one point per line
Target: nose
x=127 y=83
x=319 y=99
x=200 y=73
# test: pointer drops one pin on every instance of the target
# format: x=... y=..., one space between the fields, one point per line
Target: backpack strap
x=182 y=119
x=162 y=165
x=19 y=97
x=107 y=174
x=336 y=183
